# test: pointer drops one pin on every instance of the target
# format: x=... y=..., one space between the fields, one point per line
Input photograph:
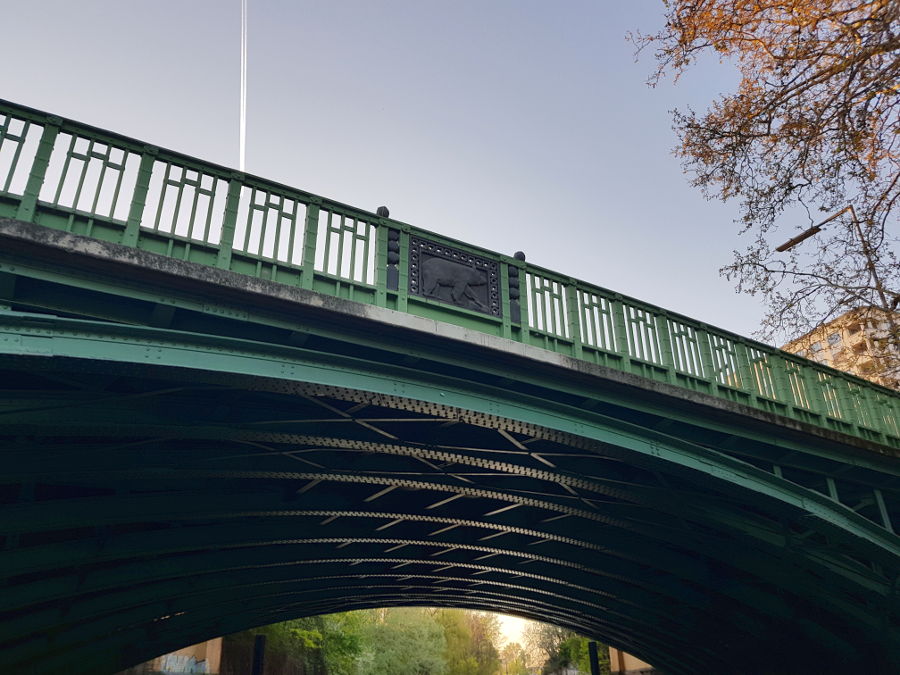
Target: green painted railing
x=70 y=176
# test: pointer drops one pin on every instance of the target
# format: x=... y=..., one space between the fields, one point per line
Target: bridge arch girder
x=754 y=505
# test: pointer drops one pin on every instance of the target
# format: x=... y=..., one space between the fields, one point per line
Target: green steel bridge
x=226 y=402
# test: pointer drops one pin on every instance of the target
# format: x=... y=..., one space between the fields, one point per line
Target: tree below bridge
x=398 y=641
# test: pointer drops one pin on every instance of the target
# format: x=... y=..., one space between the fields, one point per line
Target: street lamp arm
x=883 y=293
x=815 y=229
x=806 y=234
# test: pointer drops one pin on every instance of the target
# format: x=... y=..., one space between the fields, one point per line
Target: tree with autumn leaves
x=812 y=130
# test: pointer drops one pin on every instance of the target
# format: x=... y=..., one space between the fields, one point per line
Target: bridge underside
x=176 y=472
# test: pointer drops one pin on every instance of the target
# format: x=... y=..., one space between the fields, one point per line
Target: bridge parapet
x=73 y=177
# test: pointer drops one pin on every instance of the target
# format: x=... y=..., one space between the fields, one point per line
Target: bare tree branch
x=815 y=124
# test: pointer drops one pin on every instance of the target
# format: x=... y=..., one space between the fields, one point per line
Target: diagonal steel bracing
x=175 y=475
x=167 y=495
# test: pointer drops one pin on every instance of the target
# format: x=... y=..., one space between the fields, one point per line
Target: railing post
x=518 y=306
x=387 y=258
x=381 y=263
x=873 y=405
x=139 y=198
x=815 y=391
x=783 y=392
x=39 y=169
x=505 y=300
x=894 y=407
x=707 y=365
x=746 y=377
x=403 y=266
x=574 y=324
x=849 y=403
x=664 y=339
x=229 y=221
x=620 y=328
x=310 y=232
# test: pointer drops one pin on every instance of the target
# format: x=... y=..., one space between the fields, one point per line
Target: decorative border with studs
x=421 y=249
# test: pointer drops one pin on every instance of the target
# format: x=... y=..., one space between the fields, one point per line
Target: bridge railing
x=89 y=181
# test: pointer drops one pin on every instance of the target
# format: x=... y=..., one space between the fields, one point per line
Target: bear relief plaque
x=458 y=278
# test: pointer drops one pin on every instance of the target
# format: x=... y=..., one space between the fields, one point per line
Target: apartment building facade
x=863 y=342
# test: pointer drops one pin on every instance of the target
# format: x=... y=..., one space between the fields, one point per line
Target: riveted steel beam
x=435 y=479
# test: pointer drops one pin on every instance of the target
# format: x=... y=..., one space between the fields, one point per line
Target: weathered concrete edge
x=143 y=262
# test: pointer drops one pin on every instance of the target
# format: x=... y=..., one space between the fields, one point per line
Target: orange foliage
x=815 y=123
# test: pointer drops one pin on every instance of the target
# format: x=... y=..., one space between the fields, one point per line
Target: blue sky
x=510 y=124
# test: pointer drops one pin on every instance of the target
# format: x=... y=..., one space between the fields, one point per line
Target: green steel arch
x=175 y=486
x=255 y=411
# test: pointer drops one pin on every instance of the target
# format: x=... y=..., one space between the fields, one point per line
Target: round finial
x=519 y=255
x=382 y=212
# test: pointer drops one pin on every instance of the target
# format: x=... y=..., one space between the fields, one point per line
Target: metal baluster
x=310 y=233
x=38 y=169
x=139 y=198
x=664 y=342
x=229 y=221
x=574 y=325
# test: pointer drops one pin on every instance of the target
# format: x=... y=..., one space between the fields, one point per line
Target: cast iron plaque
x=453 y=276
